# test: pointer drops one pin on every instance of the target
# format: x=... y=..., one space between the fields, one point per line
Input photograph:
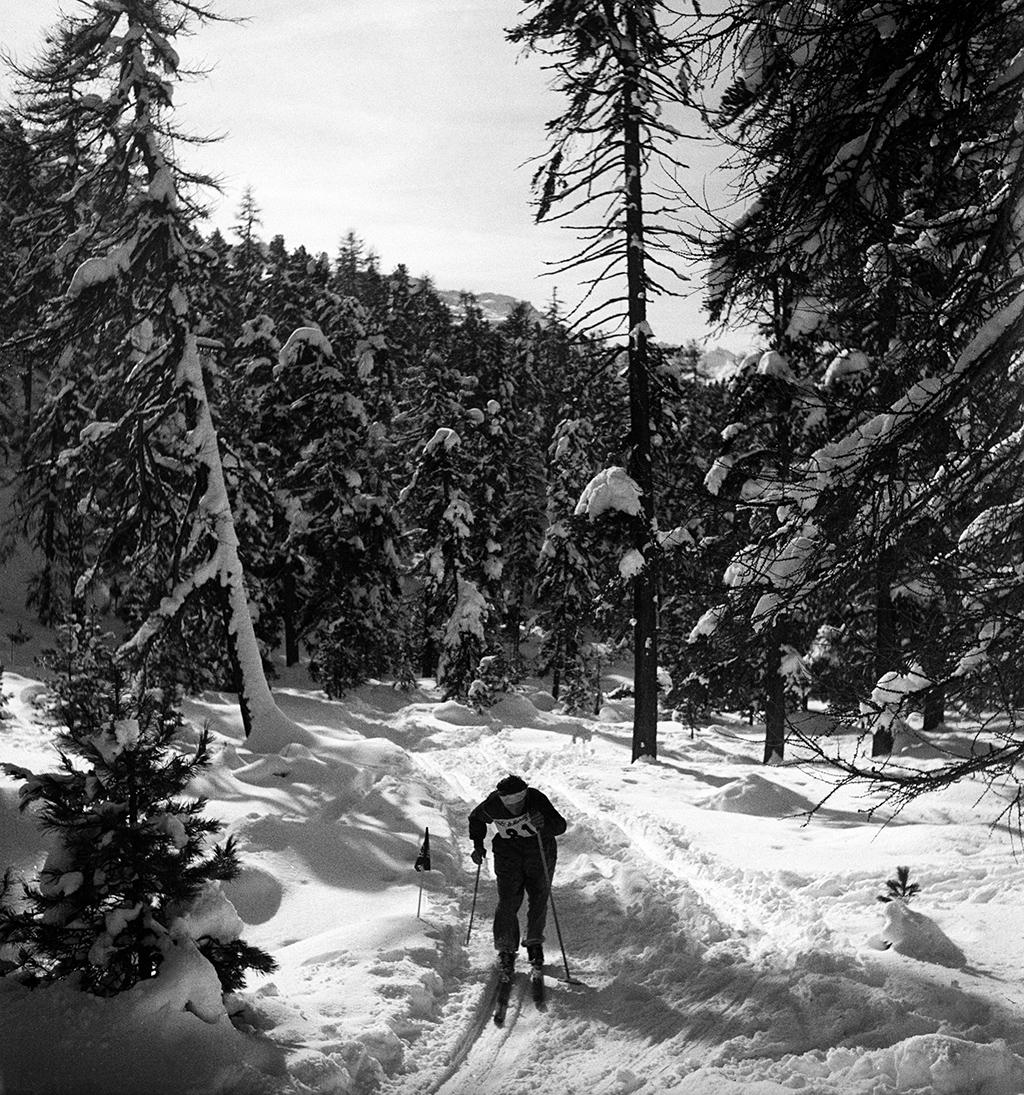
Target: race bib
x=514 y=826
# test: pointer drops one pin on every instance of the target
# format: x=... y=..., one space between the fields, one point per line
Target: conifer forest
x=224 y=456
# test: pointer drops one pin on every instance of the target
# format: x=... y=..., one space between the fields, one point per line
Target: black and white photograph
x=511 y=547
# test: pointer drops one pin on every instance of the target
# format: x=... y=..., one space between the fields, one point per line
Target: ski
x=537 y=989
x=501 y=998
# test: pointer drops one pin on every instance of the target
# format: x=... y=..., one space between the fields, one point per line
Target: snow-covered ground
x=723 y=945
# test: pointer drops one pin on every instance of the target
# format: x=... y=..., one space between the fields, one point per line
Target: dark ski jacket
x=511 y=827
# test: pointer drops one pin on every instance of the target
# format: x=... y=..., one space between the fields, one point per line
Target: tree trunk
x=645 y=583
x=513 y=627
x=934 y=708
x=887 y=653
x=27 y=396
x=774 y=702
x=288 y=609
x=266 y=726
x=556 y=670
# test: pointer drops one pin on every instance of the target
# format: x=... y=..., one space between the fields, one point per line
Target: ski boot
x=535 y=953
x=506 y=972
x=506 y=965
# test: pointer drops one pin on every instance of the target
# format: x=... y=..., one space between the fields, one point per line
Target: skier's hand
x=537 y=821
x=478 y=855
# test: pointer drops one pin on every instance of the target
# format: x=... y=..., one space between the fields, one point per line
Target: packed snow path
x=724 y=947
x=686 y=960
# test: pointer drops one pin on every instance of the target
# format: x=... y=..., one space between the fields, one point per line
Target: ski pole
x=472 y=911
x=554 y=911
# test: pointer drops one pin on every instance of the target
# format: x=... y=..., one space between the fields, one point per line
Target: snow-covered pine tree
x=455 y=612
x=516 y=427
x=567 y=587
x=611 y=59
x=885 y=240
x=770 y=411
x=131 y=881
x=701 y=533
x=140 y=458
x=342 y=524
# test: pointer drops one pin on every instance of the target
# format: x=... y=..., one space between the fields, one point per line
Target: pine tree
x=610 y=58
x=131 y=866
x=455 y=612
x=140 y=456
x=567 y=589
x=248 y=253
x=882 y=246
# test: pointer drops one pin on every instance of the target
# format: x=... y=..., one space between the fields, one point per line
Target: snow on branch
x=444 y=438
x=708 y=623
x=298 y=341
x=101 y=268
x=610 y=490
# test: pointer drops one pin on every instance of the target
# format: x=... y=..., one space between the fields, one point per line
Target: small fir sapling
x=900 y=888
x=130 y=877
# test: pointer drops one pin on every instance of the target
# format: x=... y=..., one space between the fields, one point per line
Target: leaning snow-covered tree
x=881 y=151
x=617 y=65
x=138 y=459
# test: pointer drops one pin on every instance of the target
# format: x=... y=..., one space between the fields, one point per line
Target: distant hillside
x=718 y=363
x=495 y=306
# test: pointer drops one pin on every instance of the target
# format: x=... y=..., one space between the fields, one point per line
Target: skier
x=519 y=814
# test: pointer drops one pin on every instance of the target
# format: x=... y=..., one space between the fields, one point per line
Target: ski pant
x=520 y=870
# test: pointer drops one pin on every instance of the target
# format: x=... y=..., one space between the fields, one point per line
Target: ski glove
x=478 y=855
x=537 y=820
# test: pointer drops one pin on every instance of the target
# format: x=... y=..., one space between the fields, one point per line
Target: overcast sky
x=408 y=121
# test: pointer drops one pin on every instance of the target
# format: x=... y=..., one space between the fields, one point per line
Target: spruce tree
x=137 y=450
x=132 y=862
x=611 y=59
x=883 y=245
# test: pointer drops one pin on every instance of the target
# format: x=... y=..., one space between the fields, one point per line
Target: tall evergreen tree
x=140 y=456
x=611 y=59
x=883 y=157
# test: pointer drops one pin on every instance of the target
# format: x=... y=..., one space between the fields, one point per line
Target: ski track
x=611 y=904
x=730 y=945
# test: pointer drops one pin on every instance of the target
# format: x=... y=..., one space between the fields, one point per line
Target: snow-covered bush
x=130 y=882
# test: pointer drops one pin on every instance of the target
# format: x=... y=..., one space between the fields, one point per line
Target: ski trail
x=489 y=1052
x=610 y=905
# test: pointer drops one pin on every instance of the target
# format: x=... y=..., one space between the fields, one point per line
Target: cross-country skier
x=518 y=813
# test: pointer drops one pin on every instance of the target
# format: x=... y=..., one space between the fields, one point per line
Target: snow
x=100 y=269
x=808 y=315
x=708 y=623
x=725 y=935
x=846 y=363
x=718 y=471
x=611 y=490
x=444 y=438
x=892 y=687
x=631 y=563
x=301 y=339
x=917 y=936
x=772 y=363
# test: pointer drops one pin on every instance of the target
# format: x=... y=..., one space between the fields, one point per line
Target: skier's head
x=512 y=791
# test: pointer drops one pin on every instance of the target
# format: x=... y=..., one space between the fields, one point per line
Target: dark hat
x=510 y=785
